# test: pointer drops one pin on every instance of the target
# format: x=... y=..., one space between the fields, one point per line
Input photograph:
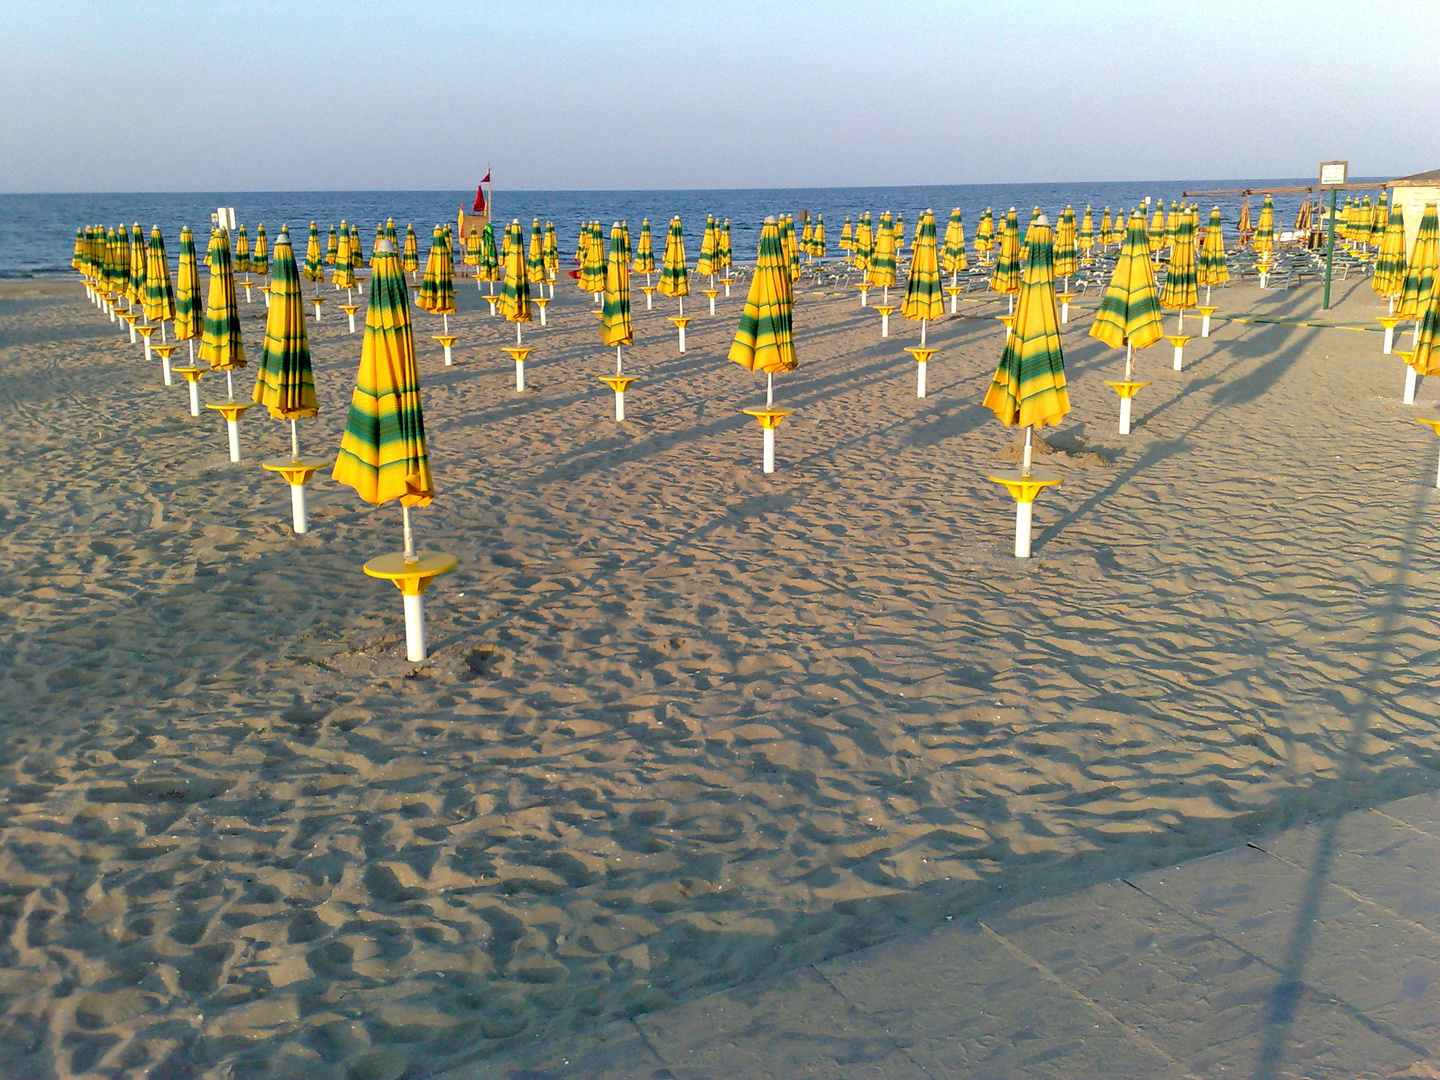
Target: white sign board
x=225 y=218
x=1334 y=173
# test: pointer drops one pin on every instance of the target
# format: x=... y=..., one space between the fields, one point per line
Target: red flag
x=479 y=206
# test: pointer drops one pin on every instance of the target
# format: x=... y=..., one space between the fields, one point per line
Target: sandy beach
x=683 y=724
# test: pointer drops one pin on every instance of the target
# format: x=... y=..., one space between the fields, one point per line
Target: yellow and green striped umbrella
x=817 y=240
x=1243 y=226
x=706 y=264
x=1085 y=238
x=1390 y=262
x=985 y=232
x=552 y=251
x=847 y=235
x=535 y=260
x=343 y=276
x=1006 y=278
x=645 y=252
x=899 y=234
x=410 y=256
x=807 y=239
x=674 y=277
x=592 y=269
x=1172 y=222
x=260 y=260
x=1425 y=357
x=136 y=287
x=881 y=269
x=1364 y=220
x=765 y=339
x=1155 y=235
x=472 y=247
x=923 y=299
x=864 y=245
x=1107 y=229
x=1380 y=219
x=444 y=279
x=380 y=235
x=242 y=252
x=284 y=382
x=159 y=293
x=382 y=453
x=189 y=314
x=515 y=293
x=429 y=292
x=314 y=261
x=393 y=237
x=1210 y=268
x=357 y=253
x=1265 y=231
x=792 y=247
x=1129 y=312
x=117 y=260
x=1180 y=292
x=727 y=254
x=615 y=327
x=221 y=345
x=1065 y=255
x=77 y=256
x=1421 y=266
x=952 y=255
x=489 y=269
x=1029 y=385
x=332 y=247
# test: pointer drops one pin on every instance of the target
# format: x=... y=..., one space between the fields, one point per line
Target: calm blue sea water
x=37 y=232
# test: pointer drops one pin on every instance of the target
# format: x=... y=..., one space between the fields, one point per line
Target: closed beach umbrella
x=382 y=453
x=1172 y=222
x=189 y=314
x=284 y=383
x=1029 y=385
x=807 y=239
x=221 y=345
x=923 y=299
x=864 y=244
x=792 y=247
x=592 y=267
x=674 y=276
x=1129 y=313
x=489 y=268
x=242 y=252
x=392 y=235
x=645 y=252
x=515 y=293
x=444 y=296
x=1006 y=278
x=847 y=235
x=136 y=280
x=77 y=256
x=1065 y=260
x=314 y=261
x=1265 y=231
x=1380 y=219
x=985 y=232
x=881 y=269
x=727 y=253
x=705 y=264
x=615 y=326
x=1243 y=226
x=1107 y=229
x=1155 y=235
x=817 y=243
x=260 y=259
x=429 y=281
x=1180 y=292
x=357 y=253
x=159 y=292
x=952 y=255
x=1421 y=266
x=1425 y=352
x=332 y=247
x=1210 y=268
x=535 y=260
x=1085 y=238
x=472 y=248
x=343 y=276
x=410 y=256
x=1390 y=263
x=765 y=339
x=552 y=252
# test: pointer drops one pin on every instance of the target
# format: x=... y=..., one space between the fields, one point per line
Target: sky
x=374 y=95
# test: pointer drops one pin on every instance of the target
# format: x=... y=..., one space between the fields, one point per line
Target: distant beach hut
x=284 y=383
x=1129 y=312
x=765 y=340
x=383 y=455
x=1029 y=385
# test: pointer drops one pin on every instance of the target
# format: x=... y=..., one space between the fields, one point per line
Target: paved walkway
x=1314 y=954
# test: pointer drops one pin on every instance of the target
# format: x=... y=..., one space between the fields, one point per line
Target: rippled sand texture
x=683 y=724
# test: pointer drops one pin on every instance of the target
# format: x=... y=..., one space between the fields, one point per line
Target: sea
x=37 y=232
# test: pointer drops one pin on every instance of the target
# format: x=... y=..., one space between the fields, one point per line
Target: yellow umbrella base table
x=1179 y=340
x=131 y=318
x=953 y=291
x=542 y=302
x=649 y=291
x=1008 y=321
x=1065 y=299
x=297 y=473
x=1127 y=391
x=710 y=295
x=769 y=418
x=412 y=577
x=519 y=353
x=192 y=374
x=265 y=293
x=618 y=383
x=1023 y=488
x=1389 y=322
x=727 y=283
x=165 y=352
x=350 y=310
x=1412 y=377
x=317 y=301
x=922 y=358
x=680 y=321
x=1206 y=311
x=447 y=341
x=885 y=310
x=232 y=411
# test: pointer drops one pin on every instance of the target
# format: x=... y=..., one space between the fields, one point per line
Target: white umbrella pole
x=1180 y=327
x=414 y=605
x=297 y=509
x=194 y=385
x=769 y=389
x=294 y=442
x=1029 y=449
x=618 y=361
x=445 y=317
x=409 y=534
x=233 y=430
x=1024 y=510
x=923 y=324
x=229 y=384
x=192 y=352
x=1011 y=298
x=1129 y=355
x=517 y=333
x=1412 y=382
x=164 y=338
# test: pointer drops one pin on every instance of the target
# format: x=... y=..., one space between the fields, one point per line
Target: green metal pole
x=1330 y=250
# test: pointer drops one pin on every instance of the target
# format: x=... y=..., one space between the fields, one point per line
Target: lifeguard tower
x=478 y=216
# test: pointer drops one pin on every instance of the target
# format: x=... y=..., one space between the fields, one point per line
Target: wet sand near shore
x=683 y=724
